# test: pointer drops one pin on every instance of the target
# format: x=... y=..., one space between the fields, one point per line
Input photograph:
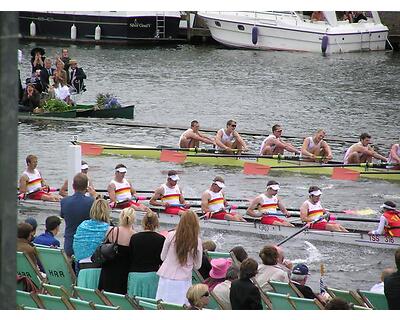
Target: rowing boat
x=252 y=228
x=206 y=158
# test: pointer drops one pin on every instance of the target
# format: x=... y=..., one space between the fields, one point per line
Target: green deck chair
x=265 y=302
x=170 y=306
x=347 y=295
x=57 y=291
x=57 y=267
x=104 y=307
x=94 y=295
x=78 y=304
x=196 y=277
x=280 y=301
x=214 y=303
x=148 y=305
x=374 y=300
x=227 y=255
x=124 y=302
x=306 y=304
x=26 y=267
x=285 y=288
x=54 y=303
x=28 y=299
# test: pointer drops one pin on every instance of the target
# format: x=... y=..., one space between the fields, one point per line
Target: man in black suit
x=392 y=285
x=45 y=74
x=76 y=76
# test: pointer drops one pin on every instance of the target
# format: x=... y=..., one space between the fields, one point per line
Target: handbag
x=106 y=251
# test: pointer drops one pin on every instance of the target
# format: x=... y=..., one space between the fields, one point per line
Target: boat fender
x=97 y=33
x=324 y=43
x=73 y=32
x=254 y=35
x=32 y=29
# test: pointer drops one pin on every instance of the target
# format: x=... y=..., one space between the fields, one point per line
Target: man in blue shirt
x=52 y=229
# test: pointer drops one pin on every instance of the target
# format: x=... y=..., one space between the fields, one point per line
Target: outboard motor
x=254 y=35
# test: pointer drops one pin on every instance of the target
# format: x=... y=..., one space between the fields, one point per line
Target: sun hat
x=300 y=269
x=34 y=50
x=390 y=205
x=219 y=267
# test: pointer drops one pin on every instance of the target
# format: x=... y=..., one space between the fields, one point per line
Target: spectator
x=244 y=295
x=65 y=59
x=60 y=75
x=239 y=253
x=30 y=99
x=392 y=285
x=32 y=221
x=145 y=249
x=198 y=296
x=76 y=77
x=270 y=270
x=205 y=268
x=222 y=290
x=37 y=60
x=182 y=251
x=89 y=235
x=317 y=16
x=52 y=229
x=359 y=15
x=348 y=15
x=285 y=264
x=219 y=267
x=379 y=287
x=84 y=169
x=46 y=75
x=337 y=304
x=24 y=238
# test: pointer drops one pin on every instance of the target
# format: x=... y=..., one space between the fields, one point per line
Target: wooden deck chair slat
x=124 y=302
x=94 y=295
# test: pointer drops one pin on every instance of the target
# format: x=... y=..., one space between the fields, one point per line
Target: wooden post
x=8 y=156
x=188 y=29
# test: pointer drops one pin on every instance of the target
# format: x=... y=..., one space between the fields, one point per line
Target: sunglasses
x=233 y=125
x=206 y=294
x=279 y=130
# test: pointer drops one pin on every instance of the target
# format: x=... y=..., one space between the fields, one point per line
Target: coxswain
x=315 y=148
x=121 y=192
x=214 y=204
x=84 y=169
x=273 y=144
x=312 y=210
x=267 y=204
x=362 y=152
x=32 y=185
x=192 y=137
x=228 y=140
x=394 y=156
x=389 y=222
x=170 y=196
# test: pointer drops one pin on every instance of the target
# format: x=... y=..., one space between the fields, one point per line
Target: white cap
x=174 y=177
x=275 y=187
x=121 y=169
x=84 y=166
x=316 y=193
x=220 y=184
x=385 y=206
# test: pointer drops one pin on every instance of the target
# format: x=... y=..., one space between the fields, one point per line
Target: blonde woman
x=114 y=273
x=198 y=296
x=89 y=235
x=182 y=251
x=144 y=251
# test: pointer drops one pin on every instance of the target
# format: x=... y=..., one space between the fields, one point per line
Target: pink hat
x=219 y=267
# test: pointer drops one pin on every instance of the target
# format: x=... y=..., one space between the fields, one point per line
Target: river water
x=345 y=94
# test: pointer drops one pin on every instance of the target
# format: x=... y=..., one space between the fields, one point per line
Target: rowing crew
x=314 y=148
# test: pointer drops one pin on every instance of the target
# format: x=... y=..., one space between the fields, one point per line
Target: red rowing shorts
x=127 y=204
x=174 y=210
x=319 y=225
x=219 y=215
x=37 y=195
x=270 y=219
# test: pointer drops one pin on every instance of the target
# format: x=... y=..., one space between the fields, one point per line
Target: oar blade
x=360 y=212
x=172 y=156
x=345 y=174
x=255 y=168
x=89 y=149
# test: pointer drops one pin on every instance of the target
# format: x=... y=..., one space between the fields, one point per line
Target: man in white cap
x=389 y=223
x=120 y=191
x=169 y=195
x=312 y=210
x=84 y=169
x=267 y=204
x=214 y=204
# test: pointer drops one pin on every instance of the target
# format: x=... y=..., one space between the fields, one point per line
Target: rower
x=312 y=209
x=214 y=204
x=120 y=191
x=273 y=144
x=227 y=140
x=316 y=147
x=362 y=152
x=267 y=204
x=169 y=195
x=32 y=185
x=394 y=156
x=389 y=223
x=84 y=169
x=192 y=137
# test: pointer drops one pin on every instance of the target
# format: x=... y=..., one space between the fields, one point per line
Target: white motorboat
x=289 y=30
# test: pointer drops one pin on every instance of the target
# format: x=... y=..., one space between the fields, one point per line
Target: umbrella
x=34 y=50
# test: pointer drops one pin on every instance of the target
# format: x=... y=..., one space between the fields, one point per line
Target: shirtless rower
x=362 y=152
x=84 y=169
x=267 y=204
x=315 y=147
x=169 y=195
x=120 y=191
x=273 y=144
x=214 y=204
x=229 y=139
x=394 y=156
x=192 y=137
x=389 y=222
x=312 y=209
x=32 y=185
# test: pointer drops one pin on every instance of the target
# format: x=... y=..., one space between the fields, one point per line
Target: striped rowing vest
x=122 y=190
x=35 y=181
x=393 y=227
x=315 y=210
x=268 y=205
x=171 y=195
x=216 y=201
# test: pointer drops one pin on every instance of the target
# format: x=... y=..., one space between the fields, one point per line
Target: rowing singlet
x=122 y=190
x=226 y=138
x=390 y=159
x=269 y=205
x=216 y=202
x=315 y=210
x=311 y=144
x=349 y=150
x=393 y=227
x=34 y=182
x=171 y=195
x=183 y=135
x=271 y=136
